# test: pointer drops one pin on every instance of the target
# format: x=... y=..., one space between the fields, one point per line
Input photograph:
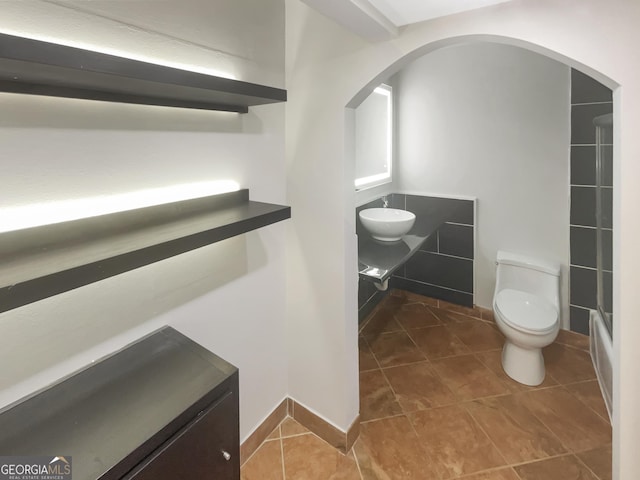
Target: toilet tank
x=528 y=274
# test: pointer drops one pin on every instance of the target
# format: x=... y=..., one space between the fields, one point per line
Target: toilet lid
x=525 y=311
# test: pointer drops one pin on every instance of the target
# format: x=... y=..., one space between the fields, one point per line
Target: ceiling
x=404 y=12
x=378 y=20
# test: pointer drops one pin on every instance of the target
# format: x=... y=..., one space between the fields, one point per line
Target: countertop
x=378 y=260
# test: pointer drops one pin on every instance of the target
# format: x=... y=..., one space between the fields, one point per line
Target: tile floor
x=435 y=404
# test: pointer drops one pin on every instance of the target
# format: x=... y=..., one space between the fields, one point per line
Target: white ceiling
x=378 y=20
x=404 y=12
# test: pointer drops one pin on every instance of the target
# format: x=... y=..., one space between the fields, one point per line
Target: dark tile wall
x=443 y=267
x=589 y=99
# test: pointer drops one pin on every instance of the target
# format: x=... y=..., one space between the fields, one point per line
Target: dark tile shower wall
x=443 y=267
x=589 y=99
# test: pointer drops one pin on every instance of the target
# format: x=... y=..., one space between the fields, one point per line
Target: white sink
x=387 y=224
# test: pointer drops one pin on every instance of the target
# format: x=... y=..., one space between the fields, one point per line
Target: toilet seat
x=526 y=312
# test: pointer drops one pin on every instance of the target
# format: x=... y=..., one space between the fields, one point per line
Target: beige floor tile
x=568 y=365
x=452 y=307
x=438 y=342
x=391 y=349
x=395 y=301
x=516 y=432
x=598 y=461
x=289 y=427
x=500 y=474
x=366 y=359
x=559 y=468
x=307 y=457
x=477 y=335
x=487 y=315
x=275 y=434
x=382 y=321
x=389 y=450
x=468 y=378
x=589 y=393
x=376 y=397
x=265 y=463
x=573 y=339
x=451 y=316
x=493 y=360
x=416 y=316
x=418 y=387
x=410 y=297
x=454 y=441
x=578 y=427
x=500 y=421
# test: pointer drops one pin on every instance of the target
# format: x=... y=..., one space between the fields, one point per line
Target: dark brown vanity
x=164 y=407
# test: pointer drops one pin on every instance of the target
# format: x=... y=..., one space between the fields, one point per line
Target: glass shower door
x=604 y=214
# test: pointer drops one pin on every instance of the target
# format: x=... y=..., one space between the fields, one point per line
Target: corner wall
x=491 y=121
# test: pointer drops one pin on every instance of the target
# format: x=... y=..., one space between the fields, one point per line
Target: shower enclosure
x=601 y=323
x=604 y=196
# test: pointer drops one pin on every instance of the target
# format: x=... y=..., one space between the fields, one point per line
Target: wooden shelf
x=40 y=262
x=41 y=68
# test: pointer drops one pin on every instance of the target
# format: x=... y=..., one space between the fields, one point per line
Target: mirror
x=373 y=138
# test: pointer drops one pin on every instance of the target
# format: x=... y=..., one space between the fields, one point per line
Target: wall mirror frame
x=374 y=139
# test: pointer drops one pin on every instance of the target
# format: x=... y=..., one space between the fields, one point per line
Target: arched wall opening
x=402 y=64
x=454 y=115
x=332 y=69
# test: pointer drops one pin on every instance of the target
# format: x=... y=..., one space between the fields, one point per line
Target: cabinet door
x=205 y=449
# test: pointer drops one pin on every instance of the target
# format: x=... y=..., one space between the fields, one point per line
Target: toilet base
x=524 y=365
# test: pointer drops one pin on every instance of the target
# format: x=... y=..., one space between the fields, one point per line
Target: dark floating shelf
x=41 y=68
x=40 y=262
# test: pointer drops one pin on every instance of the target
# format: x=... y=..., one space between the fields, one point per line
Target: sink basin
x=387 y=224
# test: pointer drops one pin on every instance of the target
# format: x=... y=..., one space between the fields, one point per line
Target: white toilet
x=526 y=303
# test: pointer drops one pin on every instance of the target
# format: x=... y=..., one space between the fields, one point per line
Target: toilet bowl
x=526 y=309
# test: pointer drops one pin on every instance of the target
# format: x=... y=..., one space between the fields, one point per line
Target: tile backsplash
x=443 y=268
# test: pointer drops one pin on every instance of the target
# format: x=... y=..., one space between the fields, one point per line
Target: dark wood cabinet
x=206 y=448
x=162 y=408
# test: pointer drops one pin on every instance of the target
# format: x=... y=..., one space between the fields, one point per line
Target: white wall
x=491 y=121
x=326 y=68
x=230 y=296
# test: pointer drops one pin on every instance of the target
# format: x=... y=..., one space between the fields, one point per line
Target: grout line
x=550 y=457
x=589 y=186
x=587 y=466
x=284 y=470
x=355 y=456
x=608 y=229
x=383 y=418
x=589 y=268
x=602 y=102
x=581 y=307
x=447 y=254
x=475 y=420
x=608 y=422
x=591 y=145
x=569 y=450
x=263 y=442
x=460 y=224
